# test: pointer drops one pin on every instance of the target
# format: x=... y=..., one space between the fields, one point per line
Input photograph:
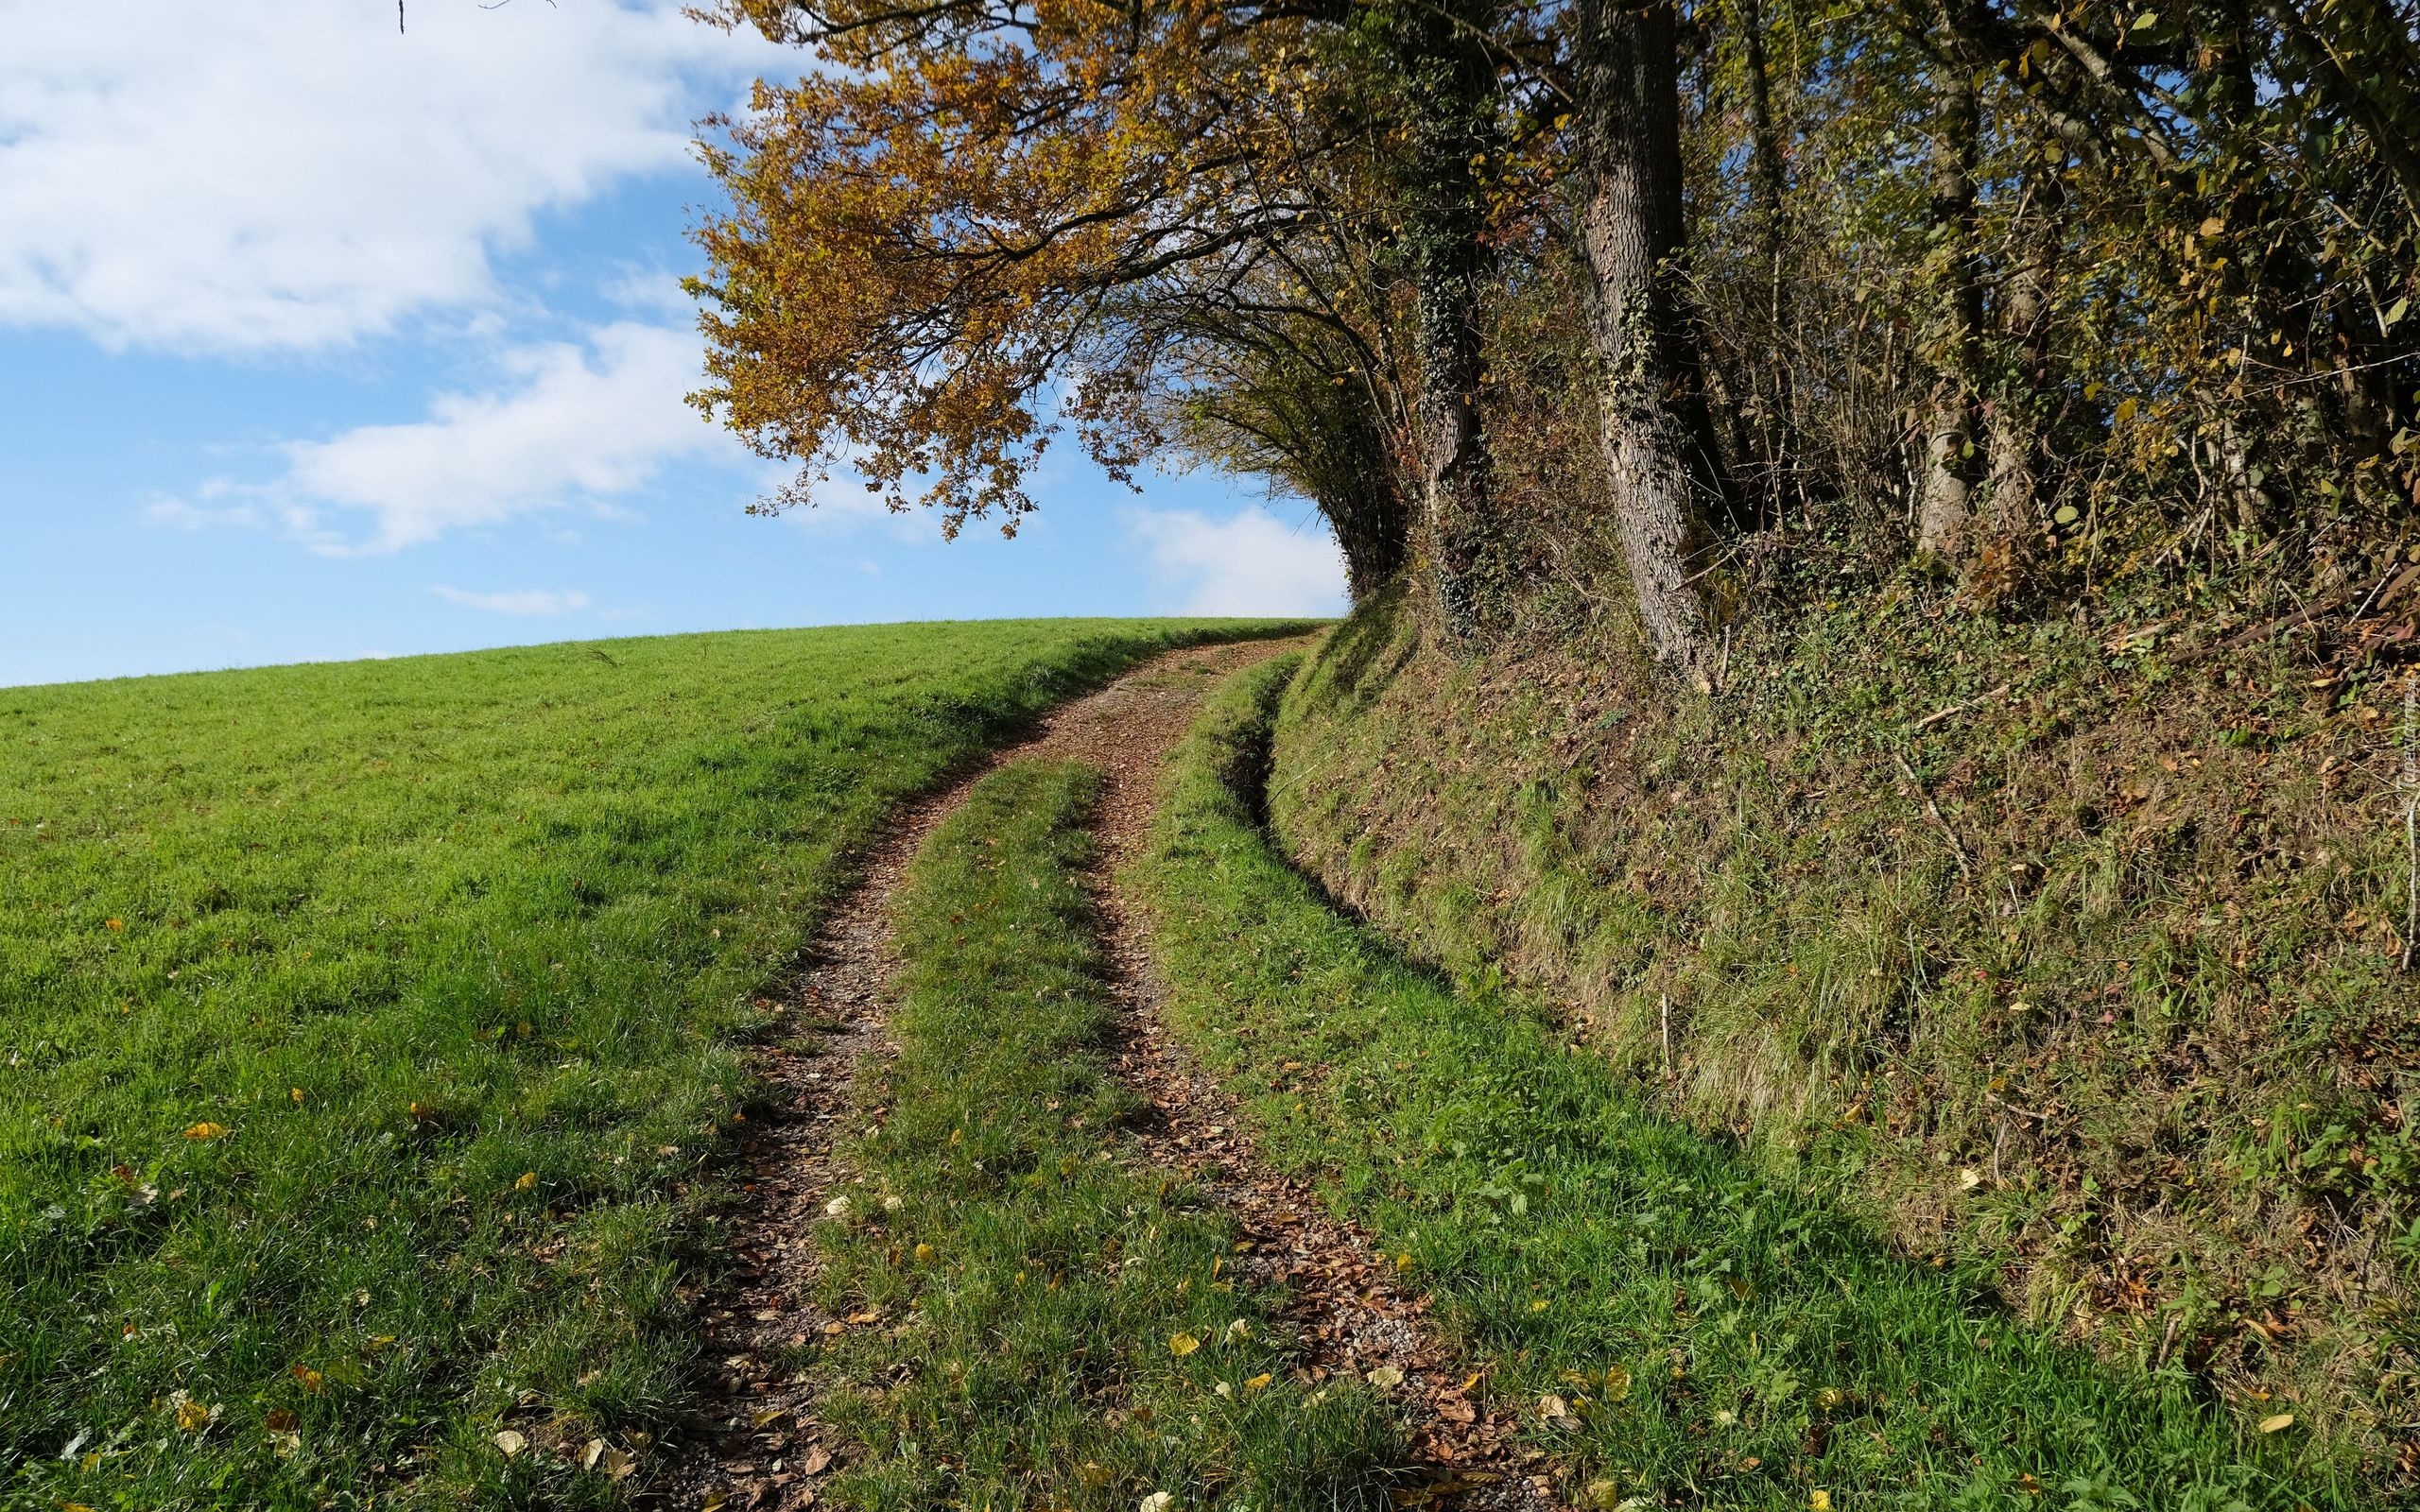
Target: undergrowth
x=1675 y=1326
x=1059 y=1328
x=365 y=1030
x=2066 y=950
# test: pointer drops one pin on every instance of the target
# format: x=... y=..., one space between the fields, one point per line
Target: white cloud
x=284 y=174
x=1250 y=563
x=517 y=601
x=566 y=425
x=575 y=424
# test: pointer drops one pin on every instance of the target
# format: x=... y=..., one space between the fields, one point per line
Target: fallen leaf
x=312 y=1381
x=816 y=1459
x=618 y=1463
x=838 y=1206
x=1553 y=1407
x=511 y=1442
x=206 y=1130
x=1238 y=1330
x=1159 y=1501
x=1386 y=1378
x=924 y=1254
x=591 y=1452
x=1819 y=1500
x=1616 y=1383
x=295 y=1092
x=281 y=1421
x=193 y=1416
x=526 y=1182
x=1094 y=1474
x=2278 y=1423
x=1257 y=1381
x=1182 y=1345
x=115 y=923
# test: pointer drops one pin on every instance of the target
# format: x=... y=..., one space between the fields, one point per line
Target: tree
x=1663 y=472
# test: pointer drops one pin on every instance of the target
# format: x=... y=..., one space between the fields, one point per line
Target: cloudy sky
x=319 y=341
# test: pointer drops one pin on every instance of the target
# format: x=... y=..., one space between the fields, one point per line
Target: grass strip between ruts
x=1060 y=1322
x=1678 y=1330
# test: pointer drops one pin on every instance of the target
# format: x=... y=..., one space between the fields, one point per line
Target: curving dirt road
x=767 y=1449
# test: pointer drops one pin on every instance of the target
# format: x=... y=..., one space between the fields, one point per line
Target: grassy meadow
x=368 y=1032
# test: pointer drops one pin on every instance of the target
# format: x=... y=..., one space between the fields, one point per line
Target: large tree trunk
x=1449 y=86
x=1944 y=491
x=1658 y=436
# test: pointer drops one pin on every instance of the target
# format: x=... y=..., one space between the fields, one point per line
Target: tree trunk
x=1944 y=495
x=2000 y=556
x=1776 y=399
x=1658 y=436
x=1449 y=84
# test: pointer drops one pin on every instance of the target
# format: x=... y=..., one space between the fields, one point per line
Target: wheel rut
x=763 y=1446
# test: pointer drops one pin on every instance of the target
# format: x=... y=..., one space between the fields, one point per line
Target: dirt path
x=770 y=1451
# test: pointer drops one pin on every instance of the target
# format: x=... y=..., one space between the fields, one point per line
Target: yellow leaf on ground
x=1182 y=1344
x=925 y=1253
x=526 y=1182
x=1616 y=1383
x=312 y=1381
x=2278 y=1423
x=1257 y=1381
x=1386 y=1377
x=206 y=1130
x=511 y=1442
x=1819 y=1500
x=193 y=1416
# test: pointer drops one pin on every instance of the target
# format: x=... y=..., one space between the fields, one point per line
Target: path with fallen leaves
x=1345 y=1304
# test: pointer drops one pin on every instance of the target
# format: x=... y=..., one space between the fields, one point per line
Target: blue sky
x=321 y=342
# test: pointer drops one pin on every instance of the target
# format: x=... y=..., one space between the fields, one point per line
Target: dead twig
x=1939 y=714
x=1957 y=846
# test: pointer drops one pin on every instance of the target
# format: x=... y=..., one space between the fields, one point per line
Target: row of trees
x=2028 y=289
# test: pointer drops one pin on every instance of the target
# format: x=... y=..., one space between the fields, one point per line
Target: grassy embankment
x=2039 y=942
x=1679 y=1326
x=367 y=1026
x=1065 y=1332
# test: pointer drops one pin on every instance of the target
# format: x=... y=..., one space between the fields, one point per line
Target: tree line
x=2030 y=295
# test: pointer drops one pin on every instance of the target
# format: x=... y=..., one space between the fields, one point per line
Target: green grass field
x=1674 y=1326
x=365 y=1030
